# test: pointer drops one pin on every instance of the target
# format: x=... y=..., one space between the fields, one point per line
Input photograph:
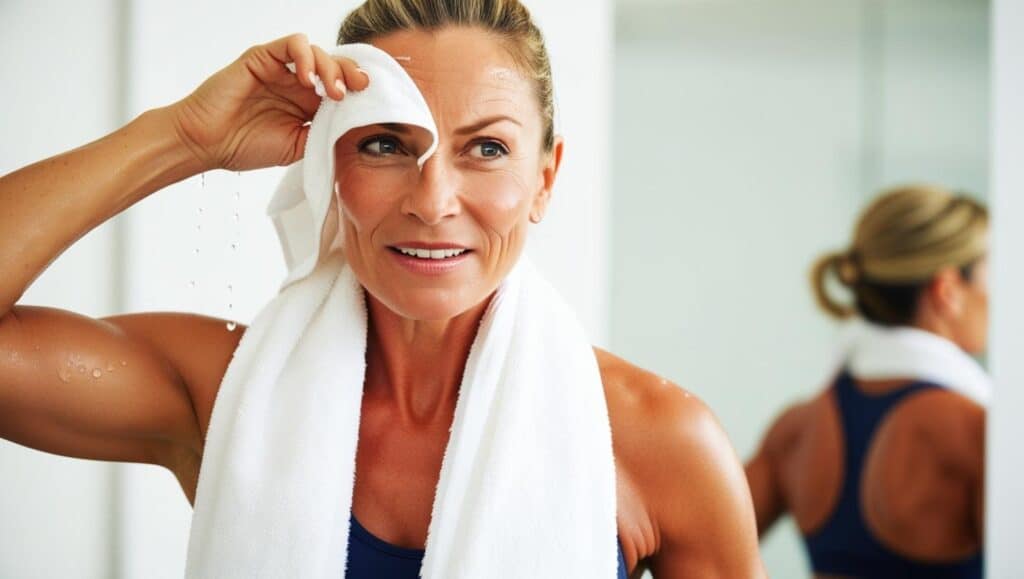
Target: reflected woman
x=883 y=469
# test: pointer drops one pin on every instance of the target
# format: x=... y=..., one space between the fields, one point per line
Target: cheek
x=500 y=200
x=367 y=195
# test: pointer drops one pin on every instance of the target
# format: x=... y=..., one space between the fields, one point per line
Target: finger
x=355 y=77
x=295 y=48
x=299 y=148
x=329 y=71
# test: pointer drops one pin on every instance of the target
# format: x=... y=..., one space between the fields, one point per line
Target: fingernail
x=312 y=78
x=364 y=74
x=318 y=86
x=340 y=86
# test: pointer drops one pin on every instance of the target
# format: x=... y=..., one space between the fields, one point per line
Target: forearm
x=47 y=206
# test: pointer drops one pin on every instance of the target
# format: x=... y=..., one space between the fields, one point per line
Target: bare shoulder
x=793 y=422
x=646 y=410
x=691 y=479
x=198 y=347
x=952 y=424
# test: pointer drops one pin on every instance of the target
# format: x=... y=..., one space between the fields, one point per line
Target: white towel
x=527 y=484
x=874 y=352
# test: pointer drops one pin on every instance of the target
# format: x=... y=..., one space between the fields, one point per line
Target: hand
x=254 y=112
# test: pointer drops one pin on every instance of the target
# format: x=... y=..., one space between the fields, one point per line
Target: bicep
x=86 y=388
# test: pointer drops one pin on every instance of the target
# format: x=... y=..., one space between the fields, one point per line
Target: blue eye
x=491 y=149
x=381 y=146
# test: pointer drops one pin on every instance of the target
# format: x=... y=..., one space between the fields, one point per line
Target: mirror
x=747 y=138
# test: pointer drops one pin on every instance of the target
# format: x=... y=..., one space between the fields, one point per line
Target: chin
x=430 y=304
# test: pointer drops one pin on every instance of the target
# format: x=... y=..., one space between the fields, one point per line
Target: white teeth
x=430 y=253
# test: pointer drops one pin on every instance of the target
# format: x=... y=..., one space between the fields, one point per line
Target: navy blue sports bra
x=371 y=558
x=844 y=545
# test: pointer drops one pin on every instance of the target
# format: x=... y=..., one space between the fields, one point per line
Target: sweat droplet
x=110 y=367
x=231 y=326
x=123 y=363
x=97 y=373
x=64 y=375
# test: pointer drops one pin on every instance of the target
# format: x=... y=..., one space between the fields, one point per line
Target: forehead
x=461 y=71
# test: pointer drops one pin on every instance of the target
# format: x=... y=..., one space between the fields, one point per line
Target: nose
x=434 y=198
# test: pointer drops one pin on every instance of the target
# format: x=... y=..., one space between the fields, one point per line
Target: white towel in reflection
x=874 y=352
x=527 y=485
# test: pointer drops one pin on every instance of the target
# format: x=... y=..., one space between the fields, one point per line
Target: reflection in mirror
x=749 y=137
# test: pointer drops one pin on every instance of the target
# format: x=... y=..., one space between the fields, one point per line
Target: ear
x=552 y=161
x=947 y=293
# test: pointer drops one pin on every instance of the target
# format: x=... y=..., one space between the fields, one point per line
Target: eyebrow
x=396 y=127
x=485 y=123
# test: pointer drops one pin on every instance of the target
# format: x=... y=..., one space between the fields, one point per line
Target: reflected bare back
x=921 y=487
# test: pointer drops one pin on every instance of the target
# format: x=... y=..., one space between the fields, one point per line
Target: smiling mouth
x=430 y=254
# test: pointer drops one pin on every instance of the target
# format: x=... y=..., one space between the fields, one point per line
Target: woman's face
x=432 y=243
x=972 y=325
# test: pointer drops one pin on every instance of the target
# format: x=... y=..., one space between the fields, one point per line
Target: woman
x=682 y=506
x=883 y=470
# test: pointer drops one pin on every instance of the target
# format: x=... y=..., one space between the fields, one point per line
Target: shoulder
x=788 y=427
x=689 y=475
x=951 y=424
x=649 y=412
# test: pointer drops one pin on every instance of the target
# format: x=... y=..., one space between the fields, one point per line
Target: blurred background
x=714 y=148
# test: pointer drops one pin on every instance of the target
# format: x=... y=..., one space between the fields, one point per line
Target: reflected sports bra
x=845 y=545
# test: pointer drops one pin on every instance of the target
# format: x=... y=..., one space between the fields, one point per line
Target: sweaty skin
x=684 y=509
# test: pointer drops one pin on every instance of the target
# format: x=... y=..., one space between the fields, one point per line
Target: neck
x=936 y=325
x=416 y=365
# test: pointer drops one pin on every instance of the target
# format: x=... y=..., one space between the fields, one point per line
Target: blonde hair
x=508 y=19
x=902 y=240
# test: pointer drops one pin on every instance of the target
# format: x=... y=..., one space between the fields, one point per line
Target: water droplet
x=237 y=195
x=123 y=363
x=97 y=373
x=192 y=284
x=199 y=227
x=231 y=326
x=200 y=210
x=64 y=375
x=230 y=288
x=196 y=251
x=82 y=369
x=235 y=216
x=234 y=247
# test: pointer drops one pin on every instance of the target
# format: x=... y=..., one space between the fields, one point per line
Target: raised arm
x=128 y=388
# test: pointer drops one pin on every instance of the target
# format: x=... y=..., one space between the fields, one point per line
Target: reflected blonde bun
x=902 y=240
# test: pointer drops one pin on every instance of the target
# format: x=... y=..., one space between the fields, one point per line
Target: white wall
x=1005 y=515
x=59 y=76
x=746 y=138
